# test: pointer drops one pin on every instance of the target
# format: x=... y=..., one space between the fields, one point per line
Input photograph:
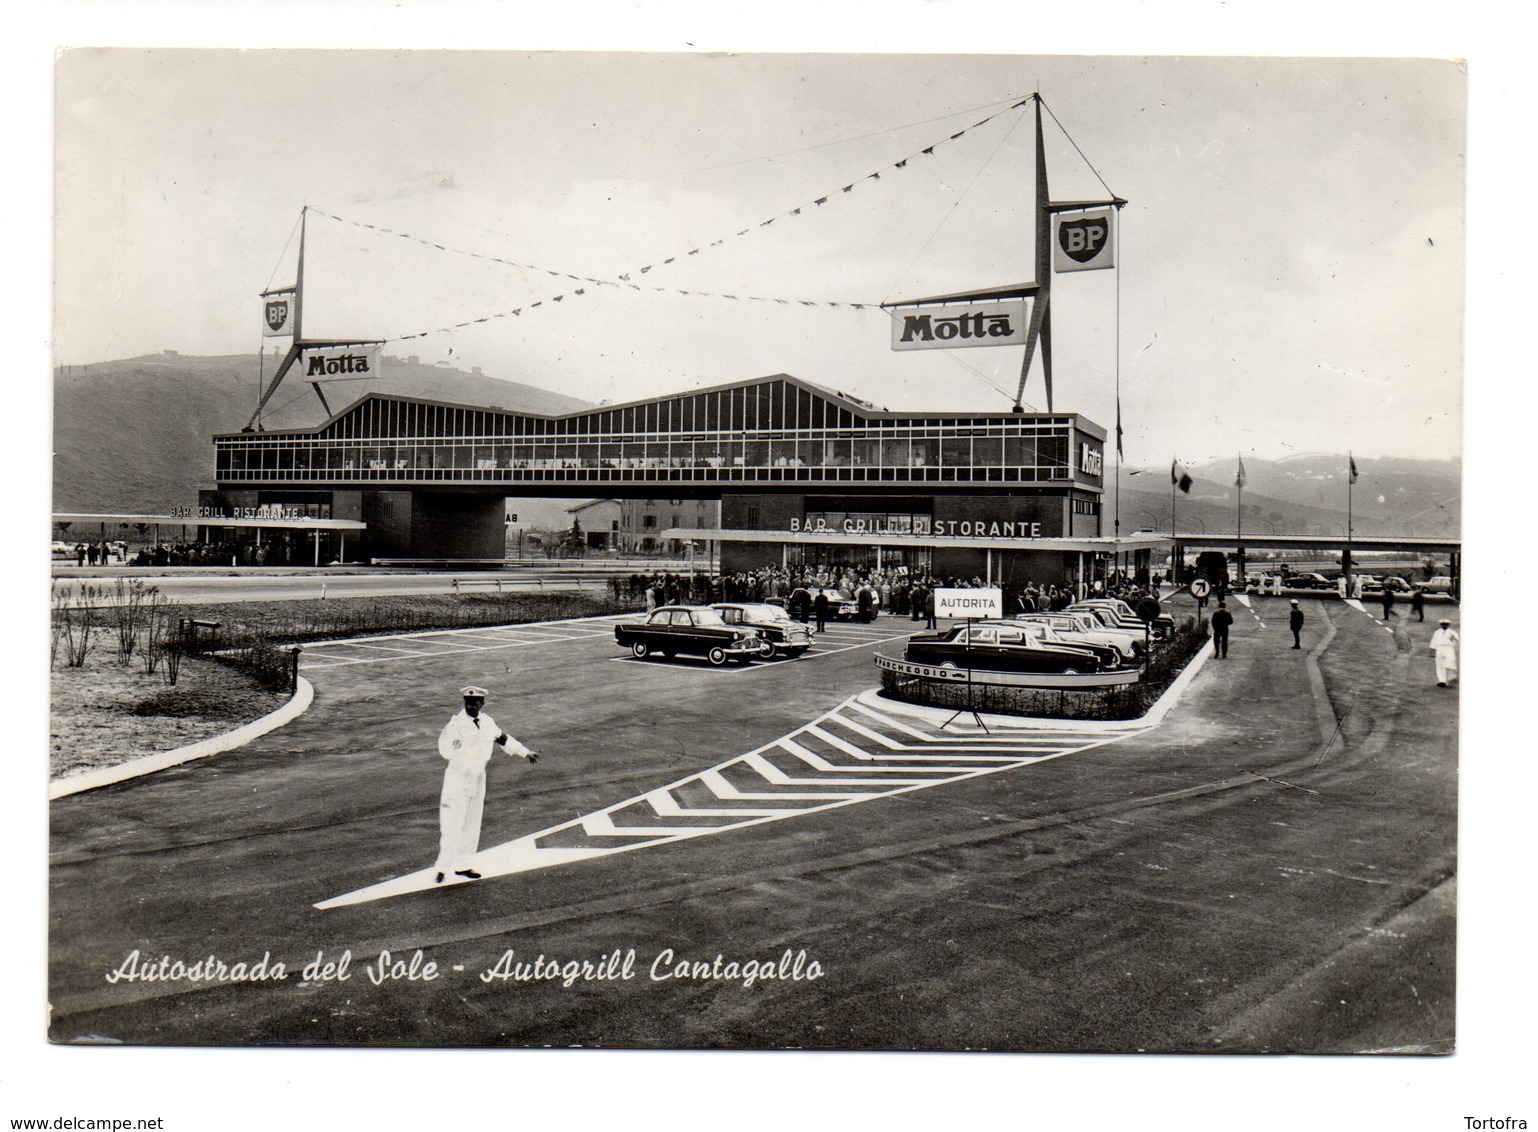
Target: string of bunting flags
x=627 y=279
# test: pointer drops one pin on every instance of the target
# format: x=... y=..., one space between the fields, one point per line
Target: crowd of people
x=895 y=592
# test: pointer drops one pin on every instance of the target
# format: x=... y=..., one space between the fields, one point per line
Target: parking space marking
x=452 y=642
x=889 y=756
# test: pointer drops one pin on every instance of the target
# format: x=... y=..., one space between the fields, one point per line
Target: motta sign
x=341 y=365
x=1085 y=242
x=968 y=603
x=927 y=528
x=950 y=328
x=278 y=313
x=1091 y=462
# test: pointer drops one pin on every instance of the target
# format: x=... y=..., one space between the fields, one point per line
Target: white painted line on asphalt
x=825 y=786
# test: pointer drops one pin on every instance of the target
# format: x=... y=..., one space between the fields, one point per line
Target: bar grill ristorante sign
x=950 y=328
x=926 y=528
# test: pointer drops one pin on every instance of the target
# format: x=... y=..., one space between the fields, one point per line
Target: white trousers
x=459 y=820
x=1447 y=665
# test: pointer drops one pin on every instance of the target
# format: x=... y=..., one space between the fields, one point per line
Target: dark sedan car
x=997 y=647
x=780 y=634
x=685 y=630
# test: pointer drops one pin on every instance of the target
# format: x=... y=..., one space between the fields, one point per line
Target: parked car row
x=721 y=633
x=1008 y=646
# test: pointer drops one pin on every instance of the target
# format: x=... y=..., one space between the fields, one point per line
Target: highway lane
x=1240 y=877
x=189 y=588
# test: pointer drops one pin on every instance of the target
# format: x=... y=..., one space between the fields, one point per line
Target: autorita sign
x=968 y=603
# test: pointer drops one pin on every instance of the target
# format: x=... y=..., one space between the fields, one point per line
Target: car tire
x=640 y=650
x=1070 y=672
x=716 y=656
x=767 y=650
x=951 y=664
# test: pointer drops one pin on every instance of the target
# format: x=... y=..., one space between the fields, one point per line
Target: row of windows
x=772 y=405
x=352 y=474
x=1044 y=452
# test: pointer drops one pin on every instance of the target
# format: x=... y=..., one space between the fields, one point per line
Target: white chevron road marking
x=662 y=815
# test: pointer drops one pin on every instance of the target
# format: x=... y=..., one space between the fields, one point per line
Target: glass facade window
x=769 y=432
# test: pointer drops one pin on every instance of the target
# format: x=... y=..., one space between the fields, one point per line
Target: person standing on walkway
x=1295 y=623
x=1444 y=648
x=1388 y=603
x=820 y=609
x=1222 y=621
x=468 y=743
x=1418 y=605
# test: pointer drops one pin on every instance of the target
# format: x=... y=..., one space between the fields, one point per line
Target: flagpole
x=1350 y=484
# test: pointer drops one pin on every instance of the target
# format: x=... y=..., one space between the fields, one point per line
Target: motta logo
x=991 y=324
x=330 y=365
x=973 y=324
x=1082 y=240
x=277 y=314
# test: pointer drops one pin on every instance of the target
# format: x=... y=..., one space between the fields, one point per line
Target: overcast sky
x=1292 y=253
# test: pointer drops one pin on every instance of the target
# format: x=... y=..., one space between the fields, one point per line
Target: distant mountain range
x=1299 y=495
x=135 y=435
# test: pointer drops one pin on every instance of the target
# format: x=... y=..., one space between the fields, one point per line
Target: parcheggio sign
x=969 y=603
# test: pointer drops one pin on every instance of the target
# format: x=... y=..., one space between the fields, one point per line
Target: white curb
x=872 y=698
x=149 y=764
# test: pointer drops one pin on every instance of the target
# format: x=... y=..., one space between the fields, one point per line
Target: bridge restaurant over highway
x=804 y=474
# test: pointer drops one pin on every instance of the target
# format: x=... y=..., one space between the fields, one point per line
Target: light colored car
x=781 y=634
x=1109 y=656
x=1441 y=584
x=1083 y=627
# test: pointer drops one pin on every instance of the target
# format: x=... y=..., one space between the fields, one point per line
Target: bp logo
x=277 y=314
x=1082 y=240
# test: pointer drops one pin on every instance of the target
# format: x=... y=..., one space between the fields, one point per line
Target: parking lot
x=1270 y=867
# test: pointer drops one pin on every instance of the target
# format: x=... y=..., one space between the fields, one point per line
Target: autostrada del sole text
x=617 y=965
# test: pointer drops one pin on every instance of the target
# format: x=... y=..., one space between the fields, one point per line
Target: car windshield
x=707 y=617
x=764 y=613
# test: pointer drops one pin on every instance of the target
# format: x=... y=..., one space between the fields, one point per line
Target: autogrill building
x=804 y=474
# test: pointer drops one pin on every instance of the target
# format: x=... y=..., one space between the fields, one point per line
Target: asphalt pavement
x=1272 y=867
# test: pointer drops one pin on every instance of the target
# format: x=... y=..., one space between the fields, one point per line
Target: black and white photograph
x=924 y=552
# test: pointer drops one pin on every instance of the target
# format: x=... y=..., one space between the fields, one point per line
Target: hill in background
x=135 y=435
x=1300 y=495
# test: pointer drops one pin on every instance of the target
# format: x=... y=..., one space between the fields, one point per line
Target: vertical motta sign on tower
x=955 y=327
x=1084 y=241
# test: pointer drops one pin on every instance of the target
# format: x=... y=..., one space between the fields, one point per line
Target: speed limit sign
x=1200 y=588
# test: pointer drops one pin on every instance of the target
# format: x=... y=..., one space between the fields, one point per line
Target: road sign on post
x=969 y=605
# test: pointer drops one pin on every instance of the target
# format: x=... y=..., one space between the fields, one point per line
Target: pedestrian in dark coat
x=1388 y=603
x=929 y=607
x=1295 y=623
x=1418 y=605
x=1221 y=621
x=820 y=608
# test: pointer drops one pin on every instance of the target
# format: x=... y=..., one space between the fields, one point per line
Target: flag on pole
x=1239 y=480
x=1180 y=477
x=1118 y=426
x=1352 y=461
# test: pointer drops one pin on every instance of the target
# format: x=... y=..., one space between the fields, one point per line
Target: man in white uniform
x=1444 y=647
x=467 y=743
